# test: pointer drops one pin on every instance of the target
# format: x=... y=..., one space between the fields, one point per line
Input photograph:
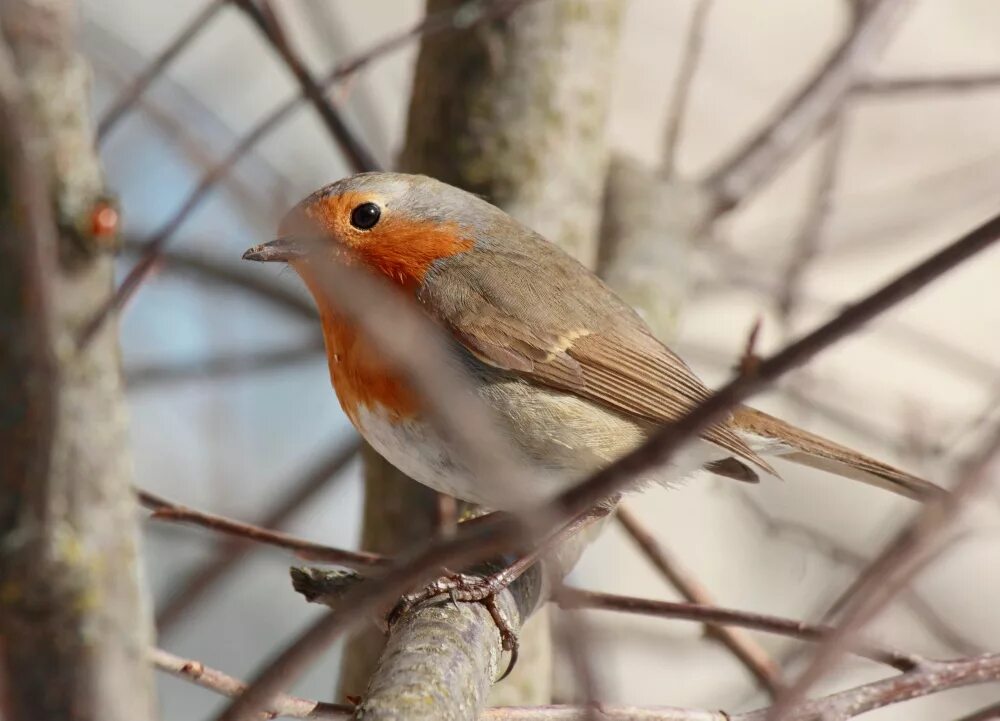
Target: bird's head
x=398 y=225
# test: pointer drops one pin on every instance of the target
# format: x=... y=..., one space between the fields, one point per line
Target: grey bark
x=74 y=619
x=513 y=110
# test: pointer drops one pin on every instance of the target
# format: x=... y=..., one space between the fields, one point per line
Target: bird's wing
x=573 y=334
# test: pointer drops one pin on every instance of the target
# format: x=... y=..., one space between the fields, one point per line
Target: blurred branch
x=809 y=110
x=217 y=271
x=229 y=553
x=988 y=713
x=929 y=84
x=889 y=573
x=497 y=533
x=465 y=16
x=74 y=620
x=716 y=616
x=690 y=56
x=747 y=650
x=260 y=13
x=132 y=92
x=838 y=552
x=167 y=511
x=806 y=244
x=226 y=365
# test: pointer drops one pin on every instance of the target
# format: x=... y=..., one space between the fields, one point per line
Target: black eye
x=365 y=216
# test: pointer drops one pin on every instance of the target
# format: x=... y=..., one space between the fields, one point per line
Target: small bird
x=571 y=372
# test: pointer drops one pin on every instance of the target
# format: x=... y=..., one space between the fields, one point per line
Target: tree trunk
x=74 y=620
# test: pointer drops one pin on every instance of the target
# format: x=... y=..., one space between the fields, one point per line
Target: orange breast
x=360 y=378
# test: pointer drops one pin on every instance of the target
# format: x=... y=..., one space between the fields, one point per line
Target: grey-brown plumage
x=571 y=370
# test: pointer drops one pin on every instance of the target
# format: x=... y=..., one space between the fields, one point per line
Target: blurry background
x=230 y=398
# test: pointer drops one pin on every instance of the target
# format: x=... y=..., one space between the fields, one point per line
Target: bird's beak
x=280 y=250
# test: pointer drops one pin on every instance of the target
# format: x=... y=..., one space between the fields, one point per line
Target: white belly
x=416 y=449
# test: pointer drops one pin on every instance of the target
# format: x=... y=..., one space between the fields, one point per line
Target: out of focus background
x=228 y=391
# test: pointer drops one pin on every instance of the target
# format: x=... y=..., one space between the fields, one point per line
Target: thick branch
x=73 y=618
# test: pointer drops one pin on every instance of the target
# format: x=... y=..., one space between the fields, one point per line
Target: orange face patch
x=400 y=248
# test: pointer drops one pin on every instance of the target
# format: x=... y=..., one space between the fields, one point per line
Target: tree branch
x=800 y=118
x=132 y=92
x=167 y=511
x=228 y=554
x=751 y=654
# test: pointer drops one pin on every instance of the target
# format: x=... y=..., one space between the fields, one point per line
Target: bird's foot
x=468 y=588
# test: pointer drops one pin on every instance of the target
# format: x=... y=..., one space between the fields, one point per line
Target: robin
x=573 y=374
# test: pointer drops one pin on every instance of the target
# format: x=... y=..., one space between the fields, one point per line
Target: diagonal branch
x=475 y=543
x=888 y=574
x=131 y=94
x=168 y=511
x=804 y=115
x=359 y=157
x=232 y=550
x=747 y=650
x=906 y=85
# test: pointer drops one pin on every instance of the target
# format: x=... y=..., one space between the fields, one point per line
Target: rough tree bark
x=513 y=110
x=74 y=620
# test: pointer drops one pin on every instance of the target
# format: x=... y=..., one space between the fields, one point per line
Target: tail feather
x=799 y=446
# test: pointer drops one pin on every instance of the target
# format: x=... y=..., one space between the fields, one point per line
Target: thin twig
x=197 y=583
x=889 y=573
x=499 y=532
x=800 y=118
x=358 y=156
x=131 y=94
x=717 y=615
x=838 y=552
x=224 y=684
x=929 y=84
x=167 y=511
x=750 y=653
x=159 y=239
x=690 y=57
x=225 y=365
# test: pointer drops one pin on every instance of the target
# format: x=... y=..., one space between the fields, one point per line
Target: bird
x=572 y=373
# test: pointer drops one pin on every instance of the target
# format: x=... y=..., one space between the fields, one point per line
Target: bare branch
x=226 y=685
x=928 y=84
x=131 y=94
x=800 y=118
x=888 y=574
x=475 y=543
x=228 y=554
x=310 y=550
x=358 y=156
x=716 y=616
x=747 y=650
x=838 y=552
x=806 y=244
x=690 y=57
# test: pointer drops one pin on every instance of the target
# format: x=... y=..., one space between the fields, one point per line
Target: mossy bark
x=74 y=618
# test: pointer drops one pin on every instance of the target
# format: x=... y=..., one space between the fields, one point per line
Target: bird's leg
x=484 y=589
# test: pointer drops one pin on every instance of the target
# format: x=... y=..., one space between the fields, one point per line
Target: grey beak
x=280 y=250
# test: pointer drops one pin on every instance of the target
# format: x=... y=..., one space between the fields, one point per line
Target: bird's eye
x=365 y=216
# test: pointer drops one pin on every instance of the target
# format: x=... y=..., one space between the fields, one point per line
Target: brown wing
x=554 y=322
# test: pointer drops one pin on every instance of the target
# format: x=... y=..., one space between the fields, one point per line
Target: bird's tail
x=808 y=449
